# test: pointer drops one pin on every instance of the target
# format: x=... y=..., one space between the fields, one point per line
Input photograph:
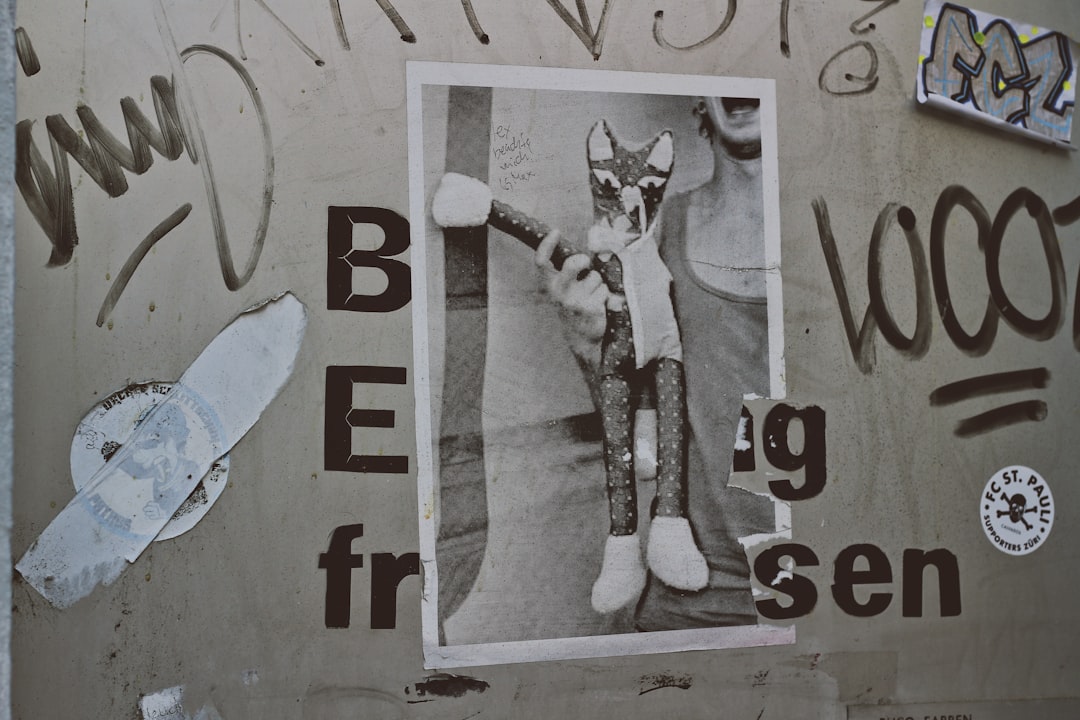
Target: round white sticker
x=111 y=422
x=1017 y=510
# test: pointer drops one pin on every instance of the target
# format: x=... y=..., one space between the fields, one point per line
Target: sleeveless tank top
x=725 y=355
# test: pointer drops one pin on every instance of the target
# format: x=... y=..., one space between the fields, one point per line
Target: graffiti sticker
x=1017 y=76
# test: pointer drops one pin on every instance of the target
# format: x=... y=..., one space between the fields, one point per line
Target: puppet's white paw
x=673 y=555
x=622 y=577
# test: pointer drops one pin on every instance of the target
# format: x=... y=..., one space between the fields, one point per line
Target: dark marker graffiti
x=658 y=681
x=593 y=41
x=785 y=46
x=400 y=25
x=339 y=24
x=574 y=24
x=658 y=29
x=47 y=190
x=862 y=83
x=447 y=685
x=288 y=31
x=136 y=257
x=233 y=281
x=1028 y=410
x=47 y=196
x=583 y=13
x=855 y=28
x=194 y=131
x=919 y=342
x=1033 y=328
x=989 y=237
x=1013 y=381
x=951 y=197
x=860 y=339
x=601 y=30
x=474 y=23
x=1067 y=214
x=24 y=50
x=403 y=29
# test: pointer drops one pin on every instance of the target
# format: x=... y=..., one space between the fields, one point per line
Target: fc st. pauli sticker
x=1017 y=510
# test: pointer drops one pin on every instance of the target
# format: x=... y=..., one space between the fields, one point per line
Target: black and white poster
x=536 y=542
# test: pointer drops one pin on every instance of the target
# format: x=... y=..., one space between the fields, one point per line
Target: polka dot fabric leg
x=670 y=439
x=616 y=364
x=622 y=575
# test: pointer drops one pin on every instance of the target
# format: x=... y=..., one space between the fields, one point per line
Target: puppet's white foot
x=622 y=577
x=673 y=555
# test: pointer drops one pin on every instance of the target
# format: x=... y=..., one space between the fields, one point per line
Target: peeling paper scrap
x=117 y=513
x=167 y=703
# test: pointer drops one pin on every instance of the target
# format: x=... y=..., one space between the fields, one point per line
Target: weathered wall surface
x=236 y=608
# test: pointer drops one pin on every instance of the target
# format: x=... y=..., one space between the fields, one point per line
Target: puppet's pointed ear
x=599 y=143
x=662 y=154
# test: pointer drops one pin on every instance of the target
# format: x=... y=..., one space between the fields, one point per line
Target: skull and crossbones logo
x=1017 y=509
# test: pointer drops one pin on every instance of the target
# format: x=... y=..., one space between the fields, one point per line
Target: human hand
x=578 y=291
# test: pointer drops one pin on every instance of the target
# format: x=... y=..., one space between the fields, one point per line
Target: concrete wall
x=235 y=609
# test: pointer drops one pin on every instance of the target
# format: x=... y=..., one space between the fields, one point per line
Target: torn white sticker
x=167 y=703
x=126 y=503
x=109 y=424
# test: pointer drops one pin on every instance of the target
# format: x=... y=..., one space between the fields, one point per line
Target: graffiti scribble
x=856 y=27
x=24 y=50
x=989 y=238
x=861 y=84
x=46 y=187
x=658 y=30
x=993 y=384
x=582 y=27
x=161 y=230
x=288 y=31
